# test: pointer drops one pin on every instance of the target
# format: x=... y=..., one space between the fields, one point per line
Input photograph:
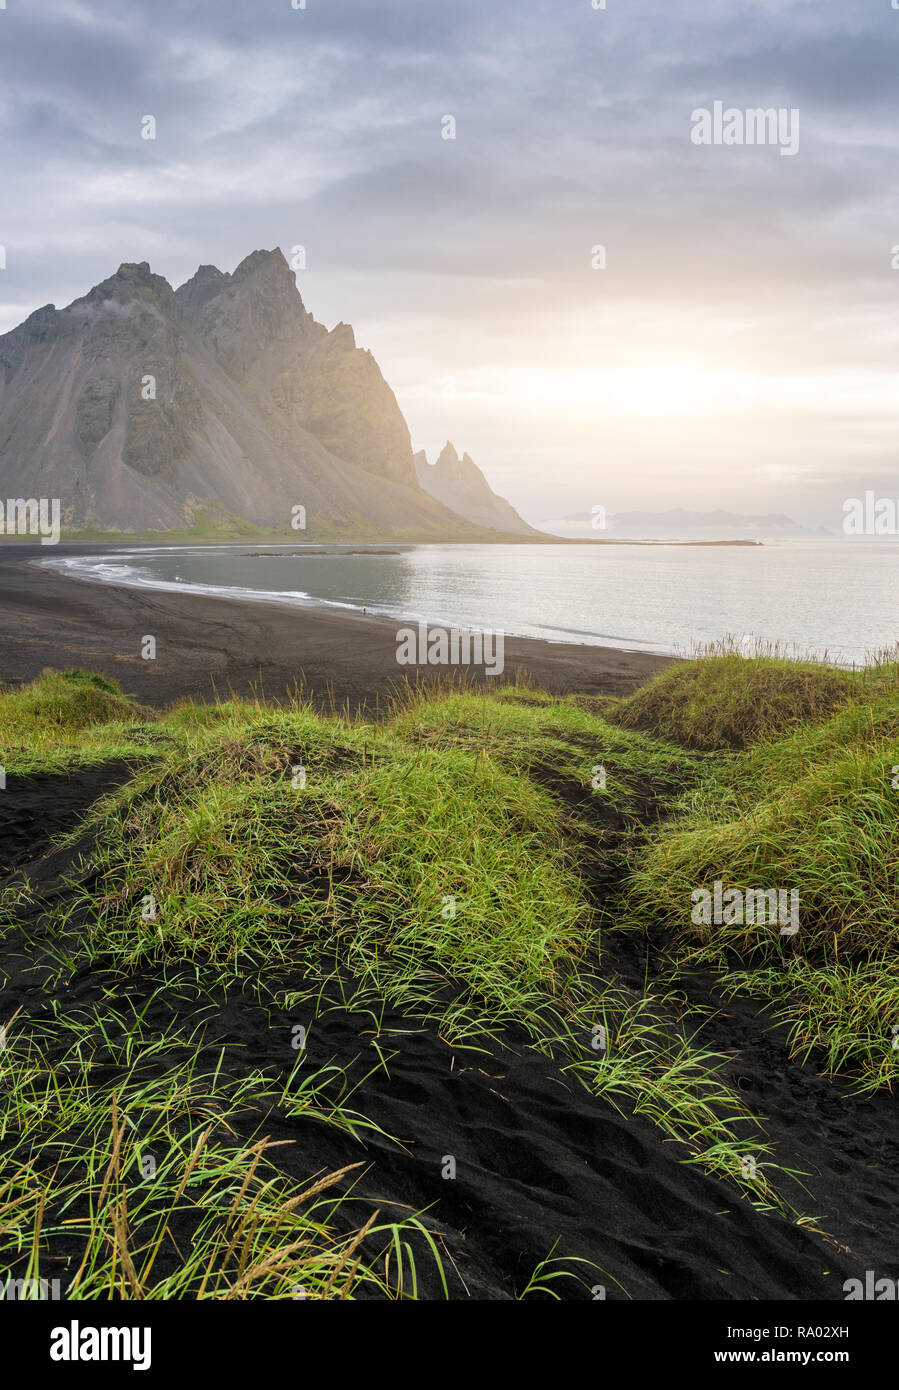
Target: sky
x=735 y=343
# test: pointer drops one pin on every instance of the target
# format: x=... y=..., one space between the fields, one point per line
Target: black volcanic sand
x=212 y=645
x=842 y=1149
x=542 y=1166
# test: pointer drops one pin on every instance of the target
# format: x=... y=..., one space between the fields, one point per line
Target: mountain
x=679 y=523
x=147 y=408
x=459 y=484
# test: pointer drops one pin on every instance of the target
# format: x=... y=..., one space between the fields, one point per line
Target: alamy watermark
x=20 y=1290
x=728 y=125
x=871 y=516
x=872 y=1290
x=30 y=516
x=79 y=1342
x=439 y=646
x=760 y=907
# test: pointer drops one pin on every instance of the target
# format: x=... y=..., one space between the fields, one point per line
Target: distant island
x=683 y=524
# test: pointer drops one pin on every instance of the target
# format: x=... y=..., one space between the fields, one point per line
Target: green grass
x=845 y=1013
x=815 y=810
x=147 y=1179
x=727 y=701
x=439 y=861
x=422 y=862
x=67 y=719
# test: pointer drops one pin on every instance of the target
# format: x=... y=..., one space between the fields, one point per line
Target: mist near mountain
x=221 y=403
x=679 y=523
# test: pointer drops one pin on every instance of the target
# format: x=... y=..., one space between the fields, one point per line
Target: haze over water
x=826 y=597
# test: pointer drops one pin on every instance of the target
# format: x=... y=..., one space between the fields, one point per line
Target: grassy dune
x=477 y=862
x=811 y=806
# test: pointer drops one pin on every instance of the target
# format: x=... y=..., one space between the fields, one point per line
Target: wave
x=100 y=569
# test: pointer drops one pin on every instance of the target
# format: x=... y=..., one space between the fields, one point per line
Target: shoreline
x=208 y=645
x=293 y=599
x=183 y=538
x=224 y=816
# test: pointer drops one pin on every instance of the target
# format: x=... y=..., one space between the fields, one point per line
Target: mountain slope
x=459 y=484
x=145 y=408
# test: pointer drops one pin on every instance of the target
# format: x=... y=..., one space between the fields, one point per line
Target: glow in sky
x=739 y=349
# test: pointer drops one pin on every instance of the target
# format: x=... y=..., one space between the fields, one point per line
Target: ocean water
x=831 y=597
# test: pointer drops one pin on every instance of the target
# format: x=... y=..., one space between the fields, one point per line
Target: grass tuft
x=728 y=701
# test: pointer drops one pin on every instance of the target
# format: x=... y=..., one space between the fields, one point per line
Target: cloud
x=322 y=127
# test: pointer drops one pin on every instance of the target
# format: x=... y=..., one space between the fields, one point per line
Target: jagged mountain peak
x=46 y=314
x=206 y=282
x=450 y=458
x=141 y=406
x=343 y=335
x=262 y=276
x=459 y=483
x=268 y=263
x=133 y=281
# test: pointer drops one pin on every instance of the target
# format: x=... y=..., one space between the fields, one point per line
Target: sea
x=835 y=600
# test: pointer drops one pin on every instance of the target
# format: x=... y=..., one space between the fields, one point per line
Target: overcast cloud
x=465 y=265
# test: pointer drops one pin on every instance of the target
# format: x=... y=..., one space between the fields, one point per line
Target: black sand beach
x=212 y=645
x=543 y=1165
